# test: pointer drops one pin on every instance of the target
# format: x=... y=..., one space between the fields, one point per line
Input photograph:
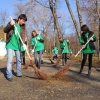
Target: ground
x=71 y=87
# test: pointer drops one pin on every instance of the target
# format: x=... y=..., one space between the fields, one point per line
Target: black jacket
x=91 y=43
x=9 y=30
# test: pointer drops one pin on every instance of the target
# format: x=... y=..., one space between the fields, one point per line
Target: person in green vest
x=54 y=52
x=89 y=49
x=13 y=44
x=64 y=50
x=37 y=43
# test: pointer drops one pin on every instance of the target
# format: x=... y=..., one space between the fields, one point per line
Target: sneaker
x=21 y=76
x=10 y=79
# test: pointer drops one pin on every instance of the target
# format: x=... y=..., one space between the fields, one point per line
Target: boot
x=80 y=71
x=89 y=73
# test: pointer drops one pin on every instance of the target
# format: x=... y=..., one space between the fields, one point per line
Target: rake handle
x=84 y=45
x=23 y=43
x=21 y=40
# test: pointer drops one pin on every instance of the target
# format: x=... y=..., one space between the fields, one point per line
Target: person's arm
x=94 y=38
x=40 y=38
x=8 y=28
x=61 y=45
x=81 y=41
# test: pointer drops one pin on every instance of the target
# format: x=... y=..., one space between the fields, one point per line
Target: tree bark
x=53 y=10
x=79 y=13
x=98 y=12
x=73 y=18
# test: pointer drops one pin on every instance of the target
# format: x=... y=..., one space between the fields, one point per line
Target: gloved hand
x=38 y=38
x=67 y=40
x=91 y=39
x=83 y=46
x=12 y=22
x=24 y=46
x=32 y=51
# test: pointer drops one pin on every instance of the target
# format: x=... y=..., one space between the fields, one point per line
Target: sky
x=8 y=5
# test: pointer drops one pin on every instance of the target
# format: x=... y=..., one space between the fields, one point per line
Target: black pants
x=89 y=60
x=64 y=58
x=23 y=57
x=55 y=56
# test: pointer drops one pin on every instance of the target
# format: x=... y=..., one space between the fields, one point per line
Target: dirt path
x=72 y=87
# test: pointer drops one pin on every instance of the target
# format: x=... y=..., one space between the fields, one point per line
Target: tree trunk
x=73 y=18
x=98 y=12
x=99 y=40
x=53 y=10
x=79 y=13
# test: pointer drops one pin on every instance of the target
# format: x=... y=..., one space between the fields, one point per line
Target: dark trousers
x=89 y=60
x=55 y=56
x=23 y=57
x=64 y=58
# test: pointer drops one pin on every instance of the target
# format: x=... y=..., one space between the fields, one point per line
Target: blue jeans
x=38 y=58
x=9 y=62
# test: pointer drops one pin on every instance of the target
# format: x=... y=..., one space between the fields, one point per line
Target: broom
x=64 y=69
x=28 y=62
x=58 y=60
x=38 y=73
x=50 y=58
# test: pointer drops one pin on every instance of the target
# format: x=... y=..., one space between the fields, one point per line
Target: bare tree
x=53 y=5
x=3 y=20
x=39 y=19
x=73 y=18
x=98 y=12
x=3 y=17
x=79 y=13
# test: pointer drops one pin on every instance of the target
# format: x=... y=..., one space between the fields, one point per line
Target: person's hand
x=24 y=46
x=91 y=39
x=83 y=46
x=32 y=51
x=38 y=38
x=12 y=22
x=68 y=41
